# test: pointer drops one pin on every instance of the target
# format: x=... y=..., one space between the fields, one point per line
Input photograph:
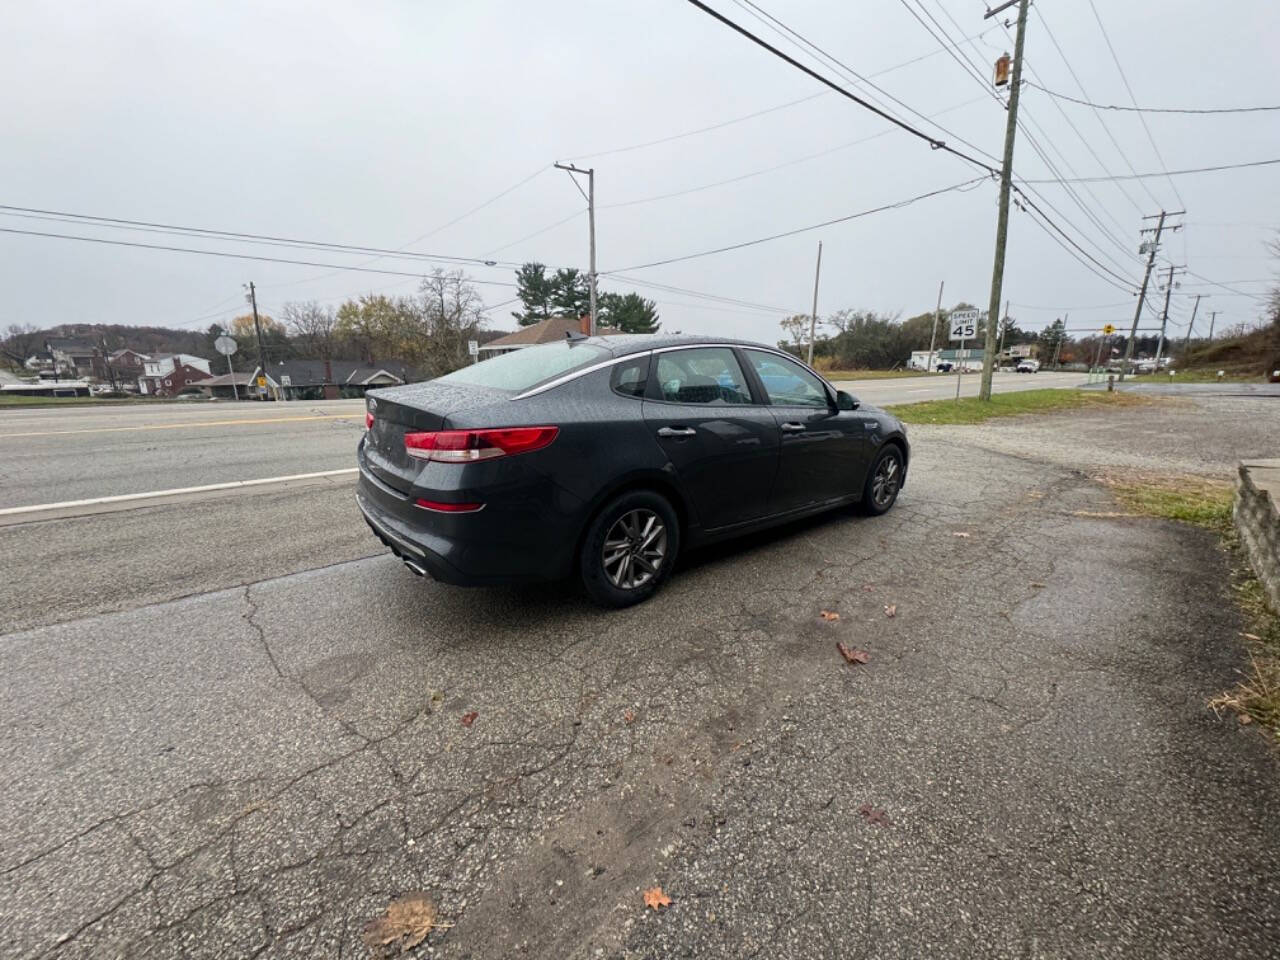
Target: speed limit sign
x=964 y=325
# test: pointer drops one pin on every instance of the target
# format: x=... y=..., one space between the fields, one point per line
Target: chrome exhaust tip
x=418 y=570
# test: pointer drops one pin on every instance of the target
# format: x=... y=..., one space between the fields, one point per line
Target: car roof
x=621 y=345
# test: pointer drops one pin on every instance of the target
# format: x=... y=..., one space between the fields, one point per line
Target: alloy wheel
x=634 y=549
x=884 y=485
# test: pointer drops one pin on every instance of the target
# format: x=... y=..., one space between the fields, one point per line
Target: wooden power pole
x=1002 y=220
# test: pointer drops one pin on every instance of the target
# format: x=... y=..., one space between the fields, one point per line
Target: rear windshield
x=525 y=368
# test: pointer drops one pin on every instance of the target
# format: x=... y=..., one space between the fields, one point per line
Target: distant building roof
x=240 y=379
x=69 y=345
x=315 y=373
x=545 y=331
x=115 y=355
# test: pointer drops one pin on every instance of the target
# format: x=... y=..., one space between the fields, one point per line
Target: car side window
x=631 y=377
x=787 y=383
x=709 y=375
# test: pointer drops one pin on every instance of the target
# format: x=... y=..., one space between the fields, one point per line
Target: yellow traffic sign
x=1109 y=329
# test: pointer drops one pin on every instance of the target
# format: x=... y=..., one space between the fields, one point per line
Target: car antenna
x=573 y=336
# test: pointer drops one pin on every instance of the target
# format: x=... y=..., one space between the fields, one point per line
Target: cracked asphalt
x=259 y=770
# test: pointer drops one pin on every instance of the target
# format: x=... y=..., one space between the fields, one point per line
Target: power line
x=235 y=256
x=757 y=113
x=944 y=40
x=1162 y=173
x=1112 y=106
x=700 y=130
x=816 y=226
x=919 y=134
x=775 y=167
x=1134 y=100
x=1097 y=116
x=799 y=40
x=1126 y=285
x=206 y=233
x=976 y=72
x=539 y=232
x=732 y=301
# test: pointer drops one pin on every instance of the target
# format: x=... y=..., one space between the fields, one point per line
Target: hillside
x=1255 y=354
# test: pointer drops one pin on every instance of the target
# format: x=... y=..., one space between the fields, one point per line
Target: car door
x=722 y=440
x=824 y=450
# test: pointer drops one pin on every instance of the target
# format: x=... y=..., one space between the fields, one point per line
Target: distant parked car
x=944 y=366
x=1027 y=365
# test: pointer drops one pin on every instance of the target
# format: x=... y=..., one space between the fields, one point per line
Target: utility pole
x=1212 y=317
x=813 y=317
x=257 y=326
x=1164 y=318
x=937 y=316
x=1191 y=325
x=1003 y=317
x=1146 y=279
x=1002 y=221
x=591 y=223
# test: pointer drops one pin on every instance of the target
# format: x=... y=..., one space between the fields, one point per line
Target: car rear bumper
x=505 y=542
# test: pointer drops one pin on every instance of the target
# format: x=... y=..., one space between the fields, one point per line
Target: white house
x=165 y=363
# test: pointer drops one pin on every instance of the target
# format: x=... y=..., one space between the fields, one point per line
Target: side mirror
x=846 y=401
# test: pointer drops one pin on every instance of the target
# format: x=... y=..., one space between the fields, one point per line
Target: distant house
x=331 y=379
x=167 y=375
x=74 y=357
x=127 y=363
x=227 y=386
x=551 y=330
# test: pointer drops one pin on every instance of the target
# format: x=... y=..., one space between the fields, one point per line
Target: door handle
x=793 y=428
x=676 y=431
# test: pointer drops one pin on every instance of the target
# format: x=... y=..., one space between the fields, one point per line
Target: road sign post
x=963 y=325
x=226 y=346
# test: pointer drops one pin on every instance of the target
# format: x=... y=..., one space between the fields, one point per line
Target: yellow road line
x=183 y=426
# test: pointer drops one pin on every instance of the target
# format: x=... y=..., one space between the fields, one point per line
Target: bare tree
x=451 y=313
x=313 y=326
x=19 y=343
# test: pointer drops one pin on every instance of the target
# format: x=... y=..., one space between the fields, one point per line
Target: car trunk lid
x=410 y=409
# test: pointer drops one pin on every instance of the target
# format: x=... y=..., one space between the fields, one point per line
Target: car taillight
x=465 y=446
x=368 y=420
x=438 y=506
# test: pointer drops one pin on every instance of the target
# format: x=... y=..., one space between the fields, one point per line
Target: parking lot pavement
x=1025 y=767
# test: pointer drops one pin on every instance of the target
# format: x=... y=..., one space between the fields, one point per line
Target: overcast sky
x=376 y=123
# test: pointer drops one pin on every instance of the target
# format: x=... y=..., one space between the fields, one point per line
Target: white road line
x=176 y=492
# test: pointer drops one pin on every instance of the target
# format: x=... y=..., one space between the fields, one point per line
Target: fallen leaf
x=890 y=609
x=1251 y=636
x=830 y=615
x=406 y=923
x=1245 y=719
x=629 y=717
x=960 y=533
x=469 y=718
x=655 y=898
x=852 y=655
x=872 y=815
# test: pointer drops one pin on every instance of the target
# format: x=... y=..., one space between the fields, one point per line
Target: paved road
x=73 y=453
x=76 y=453
x=942 y=386
x=258 y=769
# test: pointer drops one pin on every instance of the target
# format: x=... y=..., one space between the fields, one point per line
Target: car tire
x=642 y=532
x=884 y=480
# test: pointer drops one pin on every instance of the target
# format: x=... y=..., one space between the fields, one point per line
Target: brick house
x=168 y=375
